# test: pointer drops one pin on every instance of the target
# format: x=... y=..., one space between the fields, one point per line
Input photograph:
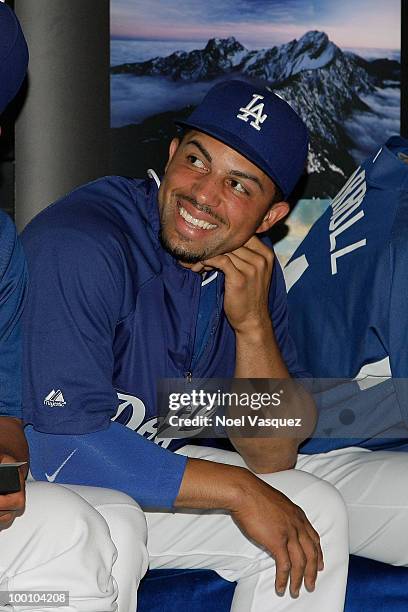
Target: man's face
x=212 y=199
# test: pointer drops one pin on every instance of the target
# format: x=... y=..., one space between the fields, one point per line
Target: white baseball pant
x=211 y=540
x=61 y=543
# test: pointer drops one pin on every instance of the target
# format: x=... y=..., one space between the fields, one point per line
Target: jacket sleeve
x=13 y=283
x=75 y=301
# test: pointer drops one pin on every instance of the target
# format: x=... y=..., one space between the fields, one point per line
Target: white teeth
x=197 y=222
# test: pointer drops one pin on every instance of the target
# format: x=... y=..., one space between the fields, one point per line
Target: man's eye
x=238 y=187
x=195 y=161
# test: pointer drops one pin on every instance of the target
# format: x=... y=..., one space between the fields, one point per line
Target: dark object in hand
x=9 y=479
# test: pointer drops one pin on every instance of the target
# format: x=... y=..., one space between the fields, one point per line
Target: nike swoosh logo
x=55 y=474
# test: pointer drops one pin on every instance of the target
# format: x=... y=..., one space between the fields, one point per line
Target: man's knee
x=127 y=527
x=328 y=506
x=56 y=510
x=321 y=502
x=122 y=513
x=63 y=521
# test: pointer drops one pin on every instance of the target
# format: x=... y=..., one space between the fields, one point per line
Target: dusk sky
x=259 y=23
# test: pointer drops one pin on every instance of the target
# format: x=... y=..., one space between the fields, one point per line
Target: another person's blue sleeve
x=13 y=282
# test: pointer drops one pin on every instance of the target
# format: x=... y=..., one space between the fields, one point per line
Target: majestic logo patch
x=253 y=110
x=54 y=398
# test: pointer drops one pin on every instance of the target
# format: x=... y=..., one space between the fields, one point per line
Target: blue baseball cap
x=258 y=124
x=13 y=55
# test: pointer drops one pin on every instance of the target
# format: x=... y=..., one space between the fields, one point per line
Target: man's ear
x=172 y=149
x=275 y=213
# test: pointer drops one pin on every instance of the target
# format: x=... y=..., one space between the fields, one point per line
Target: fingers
x=299 y=558
x=261 y=259
x=243 y=266
x=298 y=562
x=258 y=254
x=281 y=527
x=247 y=282
x=250 y=263
x=283 y=567
x=222 y=262
x=11 y=506
x=16 y=504
x=311 y=560
x=314 y=536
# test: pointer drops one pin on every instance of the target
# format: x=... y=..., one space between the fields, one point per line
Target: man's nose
x=207 y=190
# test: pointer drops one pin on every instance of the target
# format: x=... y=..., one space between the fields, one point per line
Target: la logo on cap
x=254 y=110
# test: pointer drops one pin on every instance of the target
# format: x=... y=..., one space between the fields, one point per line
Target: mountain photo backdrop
x=337 y=64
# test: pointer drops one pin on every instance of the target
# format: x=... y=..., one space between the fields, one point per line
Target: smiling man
x=133 y=281
x=212 y=199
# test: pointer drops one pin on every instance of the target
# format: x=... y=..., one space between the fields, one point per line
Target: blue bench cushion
x=372 y=586
x=184 y=590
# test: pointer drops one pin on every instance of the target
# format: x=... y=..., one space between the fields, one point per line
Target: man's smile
x=194 y=220
x=201 y=223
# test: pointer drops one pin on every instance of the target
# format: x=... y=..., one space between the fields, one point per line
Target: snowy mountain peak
x=220 y=56
x=224 y=46
x=313 y=37
x=313 y=50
